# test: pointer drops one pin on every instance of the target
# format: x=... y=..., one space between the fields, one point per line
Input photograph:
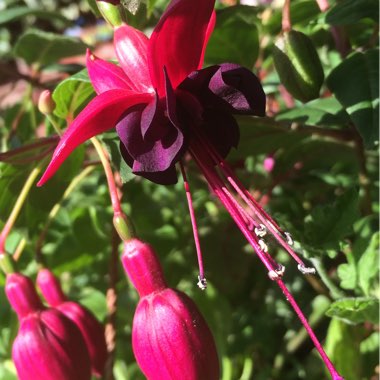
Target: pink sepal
x=101 y=114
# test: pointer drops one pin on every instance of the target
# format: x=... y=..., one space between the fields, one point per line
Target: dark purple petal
x=167 y=177
x=147 y=155
x=227 y=85
x=221 y=129
x=240 y=88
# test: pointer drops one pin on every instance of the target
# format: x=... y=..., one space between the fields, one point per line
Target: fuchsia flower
x=48 y=345
x=158 y=100
x=92 y=331
x=163 y=104
x=170 y=338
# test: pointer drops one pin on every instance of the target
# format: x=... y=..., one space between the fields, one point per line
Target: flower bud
x=298 y=65
x=112 y=12
x=48 y=345
x=170 y=338
x=92 y=331
x=46 y=104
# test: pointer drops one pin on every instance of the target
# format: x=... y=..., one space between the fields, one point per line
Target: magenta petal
x=131 y=47
x=210 y=29
x=106 y=76
x=177 y=42
x=101 y=114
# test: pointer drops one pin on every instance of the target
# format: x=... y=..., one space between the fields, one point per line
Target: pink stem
x=334 y=374
x=286 y=22
x=323 y=5
x=193 y=222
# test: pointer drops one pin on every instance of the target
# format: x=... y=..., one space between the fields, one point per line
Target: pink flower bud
x=170 y=338
x=48 y=345
x=91 y=329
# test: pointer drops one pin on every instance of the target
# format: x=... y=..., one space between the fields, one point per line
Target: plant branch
x=286 y=21
x=104 y=158
x=54 y=211
x=17 y=207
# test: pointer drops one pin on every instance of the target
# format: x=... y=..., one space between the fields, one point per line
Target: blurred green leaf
x=302 y=12
x=355 y=310
x=343 y=349
x=323 y=112
x=355 y=83
x=368 y=268
x=71 y=94
x=351 y=11
x=328 y=224
x=16 y=13
x=235 y=38
x=51 y=47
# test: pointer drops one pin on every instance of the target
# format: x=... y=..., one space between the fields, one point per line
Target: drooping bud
x=92 y=331
x=298 y=65
x=46 y=104
x=48 y=345
x=170 y=338
x=112 y=11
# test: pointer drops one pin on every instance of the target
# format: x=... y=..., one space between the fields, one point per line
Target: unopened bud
x=48 y=345
x=46 y=104
x=92 y=330
x=113 y=12
x=170 y=338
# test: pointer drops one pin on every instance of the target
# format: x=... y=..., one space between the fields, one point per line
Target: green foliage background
x=323 y=189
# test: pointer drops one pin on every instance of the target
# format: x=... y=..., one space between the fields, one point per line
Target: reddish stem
x=193 y=224
x=286 y=21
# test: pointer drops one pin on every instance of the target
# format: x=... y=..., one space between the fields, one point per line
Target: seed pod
x=92 y=330
x=48 y=345
x=298 y=65
x=170 y=338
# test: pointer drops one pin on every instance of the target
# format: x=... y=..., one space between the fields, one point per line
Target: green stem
x=17 y=207
x=54 y=211
x=54 y=124
x=334 y=290
x=109 y=174
x=122 y=224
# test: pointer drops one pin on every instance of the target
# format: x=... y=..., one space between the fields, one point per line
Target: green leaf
x=343 y=349
x=351 y=11
x=355 y=310
x=43 y=48
x=348 y=276
x=324 y=112
x=13 y=14
x=71 y=94
x=368 y=268
x=262 y=135
x=235 y=38
x=328 y=224
x=302 y=13
x=355 y=83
